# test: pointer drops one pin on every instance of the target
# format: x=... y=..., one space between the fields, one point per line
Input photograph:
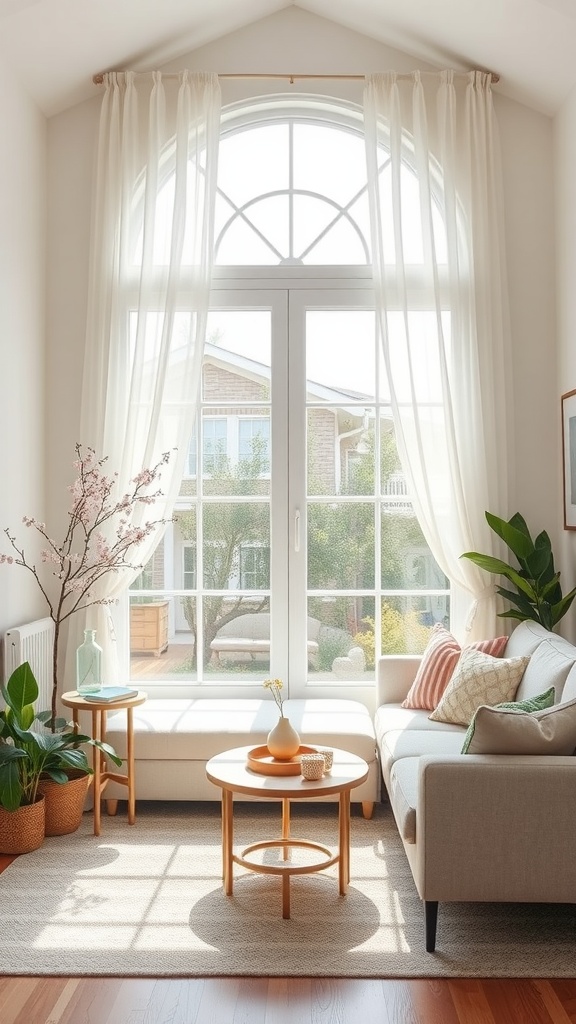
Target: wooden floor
x=283 y=1000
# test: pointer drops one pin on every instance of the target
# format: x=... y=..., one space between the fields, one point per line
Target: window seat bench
x=174 y=738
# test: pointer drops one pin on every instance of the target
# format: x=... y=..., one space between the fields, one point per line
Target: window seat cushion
x=198 y=728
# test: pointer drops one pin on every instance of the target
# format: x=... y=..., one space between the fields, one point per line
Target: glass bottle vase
x=89 y=664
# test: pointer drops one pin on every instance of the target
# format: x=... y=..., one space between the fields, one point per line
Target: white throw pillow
x=478 y=679
x=503 y=731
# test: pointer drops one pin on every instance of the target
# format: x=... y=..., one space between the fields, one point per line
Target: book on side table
x=108 y=694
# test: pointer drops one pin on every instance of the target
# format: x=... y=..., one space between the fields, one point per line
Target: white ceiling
x=55 y=46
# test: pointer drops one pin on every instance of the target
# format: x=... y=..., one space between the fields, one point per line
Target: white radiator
x=34 y=643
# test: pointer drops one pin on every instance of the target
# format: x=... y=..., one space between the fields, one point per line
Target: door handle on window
x=297 y=531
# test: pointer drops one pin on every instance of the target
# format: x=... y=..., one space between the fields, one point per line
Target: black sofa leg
x=431 y=912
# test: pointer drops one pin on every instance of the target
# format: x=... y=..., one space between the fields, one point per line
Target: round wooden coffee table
x=231 y=773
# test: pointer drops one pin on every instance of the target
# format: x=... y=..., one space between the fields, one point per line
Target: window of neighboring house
x=189 y=581
x=254 y=567
x=239 y=443
x=214 y=445
x=254 y=442
x=294 y=509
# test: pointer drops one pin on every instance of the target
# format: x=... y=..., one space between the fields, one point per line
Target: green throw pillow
x=531 y=704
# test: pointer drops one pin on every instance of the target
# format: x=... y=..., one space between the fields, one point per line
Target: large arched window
x=295 y=551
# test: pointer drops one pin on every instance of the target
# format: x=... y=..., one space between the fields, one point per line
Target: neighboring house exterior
x=230 y=429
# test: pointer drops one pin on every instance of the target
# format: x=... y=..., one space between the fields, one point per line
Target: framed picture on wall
x=569 y=458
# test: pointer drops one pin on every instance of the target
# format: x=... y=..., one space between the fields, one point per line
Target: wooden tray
x=261 y=761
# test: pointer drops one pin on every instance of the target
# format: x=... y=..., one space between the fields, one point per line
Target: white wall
x=527 y=164
x=22 y=351
x=295 y=41
x=70 y=167
x=565 y=190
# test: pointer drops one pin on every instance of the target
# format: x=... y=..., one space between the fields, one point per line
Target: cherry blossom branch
x=92 y=513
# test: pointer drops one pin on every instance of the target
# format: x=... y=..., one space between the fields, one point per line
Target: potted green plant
x=538 y=594
x=30 y=755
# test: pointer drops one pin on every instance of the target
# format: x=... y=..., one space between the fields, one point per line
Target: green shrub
x=332 y=643
x=402 y=633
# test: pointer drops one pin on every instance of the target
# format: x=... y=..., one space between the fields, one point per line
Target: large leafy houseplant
x=26 y=754
x=538 y=594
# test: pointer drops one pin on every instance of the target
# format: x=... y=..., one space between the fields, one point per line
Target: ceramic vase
x=283 y=741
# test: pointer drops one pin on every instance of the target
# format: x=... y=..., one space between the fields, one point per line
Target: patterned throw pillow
x=438 y=663
x=478 y=679
x=550 y=731
x=531 y=704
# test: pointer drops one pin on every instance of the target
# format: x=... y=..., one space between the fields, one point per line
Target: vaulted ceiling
x=55 y=46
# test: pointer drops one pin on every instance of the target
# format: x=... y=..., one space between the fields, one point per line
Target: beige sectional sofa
x=485 y=826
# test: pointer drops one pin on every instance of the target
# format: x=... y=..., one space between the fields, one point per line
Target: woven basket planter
x=64 y=802
x=22 y=830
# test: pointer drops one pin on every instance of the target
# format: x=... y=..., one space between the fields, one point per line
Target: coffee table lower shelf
x=286 y=870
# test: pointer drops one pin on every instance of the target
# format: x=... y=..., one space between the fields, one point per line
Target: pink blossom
x=145 y=476
x=91 y=508
x=102 y=548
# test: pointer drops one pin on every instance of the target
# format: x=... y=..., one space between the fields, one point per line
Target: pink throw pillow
x=438 y=663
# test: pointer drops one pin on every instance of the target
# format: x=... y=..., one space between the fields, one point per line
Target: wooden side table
x=101 y=777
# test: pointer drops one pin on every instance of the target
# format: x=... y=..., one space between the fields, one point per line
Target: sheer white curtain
x=151 y=263
x=436 y=223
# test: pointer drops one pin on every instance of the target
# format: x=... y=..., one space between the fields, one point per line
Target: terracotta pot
x=283 y=741
x=22 y=830
x=64 y=802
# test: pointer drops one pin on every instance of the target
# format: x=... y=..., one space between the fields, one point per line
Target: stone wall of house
x=220 y=384
x=321 y=448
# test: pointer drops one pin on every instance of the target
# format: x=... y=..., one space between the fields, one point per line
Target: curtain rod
x=99 y=79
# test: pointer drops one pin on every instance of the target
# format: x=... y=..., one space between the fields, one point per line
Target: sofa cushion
x=525 y=638
x=569 y=690
x=549 y=666
x=413 y=743
x=391 y=717
x=502 y=731
x=404 y=796
x=196 y=729
x=478 y=679
x=438 y=663
x=530 y=705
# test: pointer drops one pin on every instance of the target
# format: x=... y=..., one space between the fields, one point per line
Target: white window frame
x=231 y=286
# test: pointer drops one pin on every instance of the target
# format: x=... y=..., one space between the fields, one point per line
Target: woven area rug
x=148 y=900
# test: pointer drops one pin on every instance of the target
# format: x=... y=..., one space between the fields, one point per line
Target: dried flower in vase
x=275 y=687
